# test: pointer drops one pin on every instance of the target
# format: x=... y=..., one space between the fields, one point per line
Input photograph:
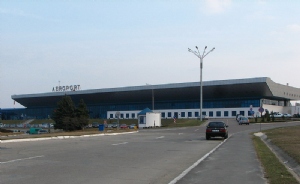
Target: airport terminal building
x=221 y=99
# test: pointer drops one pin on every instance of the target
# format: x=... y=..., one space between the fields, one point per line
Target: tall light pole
x=198 y=54
x=152 y=97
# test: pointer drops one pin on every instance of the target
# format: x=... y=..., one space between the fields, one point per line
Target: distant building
x=221 y=99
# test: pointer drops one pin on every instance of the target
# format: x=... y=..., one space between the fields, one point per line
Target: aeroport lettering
x=66 y=88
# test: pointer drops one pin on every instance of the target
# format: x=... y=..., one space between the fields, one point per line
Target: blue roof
x=143 y=112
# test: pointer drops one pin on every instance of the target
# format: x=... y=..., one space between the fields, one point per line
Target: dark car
x=238 y=117
x=216 y=129
x=95 y=124
x=115 y=125
x=42 y=131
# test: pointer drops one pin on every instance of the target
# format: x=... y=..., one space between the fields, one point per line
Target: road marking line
x=180 y=133
x=119 y=143
x=185 y=172
x=196 y=130
x=160 y=137
x=20 y=159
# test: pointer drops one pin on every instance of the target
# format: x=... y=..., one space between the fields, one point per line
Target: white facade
x=210 y=113
x=295 y=110
x=151 y=119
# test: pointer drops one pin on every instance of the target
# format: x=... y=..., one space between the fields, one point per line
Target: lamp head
x=205 y=47
x=196 y=47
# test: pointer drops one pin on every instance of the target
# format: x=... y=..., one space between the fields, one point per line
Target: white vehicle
x=244 y=120
x=278 y=115
x=1 y=125
x=287 y=115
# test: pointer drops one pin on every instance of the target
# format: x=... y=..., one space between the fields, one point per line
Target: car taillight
x=222 y=130
x=208 y=130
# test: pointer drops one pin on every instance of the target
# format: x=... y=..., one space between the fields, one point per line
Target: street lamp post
x=201 y=57
x=152 y=96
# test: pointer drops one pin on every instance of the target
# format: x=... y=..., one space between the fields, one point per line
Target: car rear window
x=216 y=124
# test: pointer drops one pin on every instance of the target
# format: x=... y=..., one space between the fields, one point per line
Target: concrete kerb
x=62 y=137
x=292 y=166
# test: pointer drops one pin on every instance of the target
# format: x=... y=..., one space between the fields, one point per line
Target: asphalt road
x=149 y=156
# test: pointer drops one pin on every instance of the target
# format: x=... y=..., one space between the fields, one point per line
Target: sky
x=116 y=43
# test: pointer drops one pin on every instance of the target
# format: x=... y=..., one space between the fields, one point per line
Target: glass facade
x=100 y=110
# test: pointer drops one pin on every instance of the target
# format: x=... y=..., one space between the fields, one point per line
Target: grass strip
x=287 y=139
x=275 y=171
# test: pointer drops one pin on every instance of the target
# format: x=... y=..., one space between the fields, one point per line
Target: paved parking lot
x=149 y=156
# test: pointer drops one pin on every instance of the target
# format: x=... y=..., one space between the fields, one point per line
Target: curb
x=63 y=137
x=292 y=166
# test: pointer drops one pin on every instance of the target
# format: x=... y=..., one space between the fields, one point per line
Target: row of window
x=127 y=116
x=187 y=114
x=232 y=103
x=292 y=95
x=204 y=113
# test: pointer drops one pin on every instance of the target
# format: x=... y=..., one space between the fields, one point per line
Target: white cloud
x=21 y=13
x=217 y=6
x=294 y=28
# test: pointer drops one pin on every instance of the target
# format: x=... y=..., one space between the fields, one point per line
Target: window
x=226 y=113
x=189 y=114
x=142 y=120
x=169 y=114
x=242 y=113
x=251 y=113
x=203 y=112
x=111 y=116
x=133 y=115
x=196 y=114
x=183 y=114
x=127 y=115
x=122 y=116
x=233 y=113
x=211 y=114
x=218 y=113
x=175 y=115
x=163 y=114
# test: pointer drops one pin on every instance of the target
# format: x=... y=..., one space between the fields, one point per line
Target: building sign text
x=66 y=88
